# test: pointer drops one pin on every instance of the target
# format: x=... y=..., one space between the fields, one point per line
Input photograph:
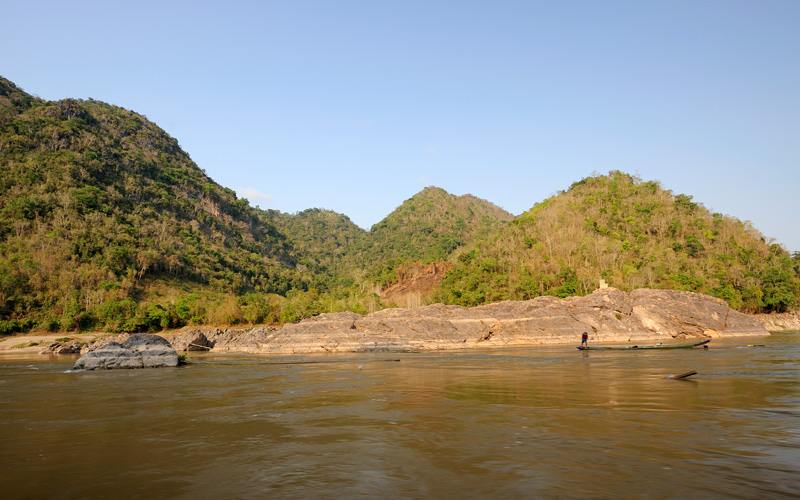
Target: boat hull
x=639 y=348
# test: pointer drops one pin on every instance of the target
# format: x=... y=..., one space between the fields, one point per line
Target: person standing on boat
x=584 y=340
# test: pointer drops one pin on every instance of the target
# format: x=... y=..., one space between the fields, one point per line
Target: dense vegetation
x=106 y=223
x=102 y=211
x=427 y=227
x=326 y=244
x=632 y=233
x=351 y=266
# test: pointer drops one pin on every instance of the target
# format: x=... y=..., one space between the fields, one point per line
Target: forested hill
x=428 y=227
x=99 y=205
x=634 y=234
x=106 y=223
x=326 y=242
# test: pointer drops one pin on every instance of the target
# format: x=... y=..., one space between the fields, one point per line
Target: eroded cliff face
x=609 y=315
x=414 y=282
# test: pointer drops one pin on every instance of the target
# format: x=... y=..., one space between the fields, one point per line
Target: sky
x=357 y=105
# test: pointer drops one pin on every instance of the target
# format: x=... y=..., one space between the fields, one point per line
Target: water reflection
x=538 y=422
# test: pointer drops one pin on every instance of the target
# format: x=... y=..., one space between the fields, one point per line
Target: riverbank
x=609 y=315
x=780 y=322
x=35 y=341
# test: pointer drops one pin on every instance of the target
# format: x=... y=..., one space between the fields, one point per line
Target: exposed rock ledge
x=780 y=321
x=608 y=315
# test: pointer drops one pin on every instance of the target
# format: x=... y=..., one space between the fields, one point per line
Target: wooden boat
x=638 y=347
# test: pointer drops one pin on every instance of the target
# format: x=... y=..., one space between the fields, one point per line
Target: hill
x=106 y=223
x=428 y=227
x=102 y=211
x=326 y=242
x=404 y=254
x=634 y=234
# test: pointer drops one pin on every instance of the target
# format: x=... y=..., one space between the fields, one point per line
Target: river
x=535 y=422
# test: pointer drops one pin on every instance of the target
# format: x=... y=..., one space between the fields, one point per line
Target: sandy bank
x=10 y=344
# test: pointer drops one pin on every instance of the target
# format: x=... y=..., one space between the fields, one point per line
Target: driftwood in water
x=684 y=375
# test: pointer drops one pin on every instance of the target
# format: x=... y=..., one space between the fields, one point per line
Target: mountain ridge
x=107 y=223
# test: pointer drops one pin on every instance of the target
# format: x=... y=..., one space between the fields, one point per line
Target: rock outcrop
x=413 y=282
x=608 y=315
x=777 y=322
x=138 y=351
x=192 y=340
x=220 y=340
x=62 y=348
x=102 y=341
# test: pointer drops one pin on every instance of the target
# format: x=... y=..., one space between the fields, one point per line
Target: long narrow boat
x=638 y=347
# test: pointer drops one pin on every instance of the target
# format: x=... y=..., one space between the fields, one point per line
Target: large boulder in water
x=100 y=342
x=138 y=351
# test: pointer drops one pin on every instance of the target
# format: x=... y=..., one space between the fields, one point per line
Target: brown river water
x=535 y=422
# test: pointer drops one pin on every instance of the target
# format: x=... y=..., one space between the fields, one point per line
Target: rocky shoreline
x=780 y=321
x=608 y=315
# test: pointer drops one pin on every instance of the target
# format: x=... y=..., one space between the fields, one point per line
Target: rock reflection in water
x=536 y=422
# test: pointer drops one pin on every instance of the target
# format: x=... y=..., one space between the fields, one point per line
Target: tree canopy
x=105 y=222
x=632 y=233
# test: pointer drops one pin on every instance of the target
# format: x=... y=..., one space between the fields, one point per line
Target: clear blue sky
x=355 y=106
